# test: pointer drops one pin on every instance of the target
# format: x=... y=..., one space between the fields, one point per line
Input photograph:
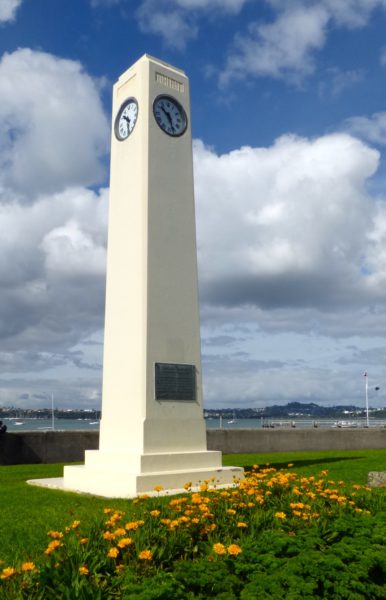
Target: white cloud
x=8 y=10
x=281 y=47
x=285 y=47
x=54 y=293
x=176 y=21
x=370 y=128
x=285 y=226
x=53 y=130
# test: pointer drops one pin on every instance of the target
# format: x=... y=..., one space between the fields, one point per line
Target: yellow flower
x=133 y=525
x=241 y=525
x=83 y=541
x=219 y=548
x=158 y=488
x=28 y=566
x=234 y=550
x=124 y=542
x=75 y=524
x=290 y=465
x=52 y=546
x=83 y=570
x=113 y=553
x=145 y=555
x=231 y=511
x=280 y=515
x=107 y=535
x=55 y=534
x=7 y=572
x=155 y=513
x=188 y=485
x=119 y=531
x=107 y=510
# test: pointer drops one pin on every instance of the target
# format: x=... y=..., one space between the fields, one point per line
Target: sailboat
x=233 y=420
x=94 y=422
x=52 y=426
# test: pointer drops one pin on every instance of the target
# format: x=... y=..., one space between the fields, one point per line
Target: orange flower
x=133 y=525
x=113 y=553
x=145 y=555
x=119 y=531
x=108 y=535
x=52 y=546
x=219 y=548
x=234 y=550
x=7 y=572
x=158 y=488
x=55 y=534
x=28 y=566
x=124 y=542
x=83 y=570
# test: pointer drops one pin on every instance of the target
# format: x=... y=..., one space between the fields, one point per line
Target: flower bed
x=275 y=534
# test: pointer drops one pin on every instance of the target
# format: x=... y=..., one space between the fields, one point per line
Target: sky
x=289 y=143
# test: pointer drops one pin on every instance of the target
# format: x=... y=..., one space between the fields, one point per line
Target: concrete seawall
x=69 y=446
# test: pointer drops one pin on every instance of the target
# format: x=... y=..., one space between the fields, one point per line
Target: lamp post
x=367 y=398
x=52 y=412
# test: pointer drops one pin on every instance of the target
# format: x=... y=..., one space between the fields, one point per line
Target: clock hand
x=168 y=117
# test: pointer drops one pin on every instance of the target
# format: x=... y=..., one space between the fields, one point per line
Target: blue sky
x=289 y=128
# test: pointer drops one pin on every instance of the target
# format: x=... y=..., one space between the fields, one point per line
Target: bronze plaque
x=175 y=382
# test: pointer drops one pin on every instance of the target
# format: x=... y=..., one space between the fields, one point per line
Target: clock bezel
x=128 y=101
x=180 y=108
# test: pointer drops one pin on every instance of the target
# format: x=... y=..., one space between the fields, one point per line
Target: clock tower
x=152 y=431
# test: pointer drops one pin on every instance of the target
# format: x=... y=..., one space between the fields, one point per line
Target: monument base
x=128 y=475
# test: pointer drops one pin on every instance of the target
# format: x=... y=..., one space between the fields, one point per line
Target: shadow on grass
x=304 y=463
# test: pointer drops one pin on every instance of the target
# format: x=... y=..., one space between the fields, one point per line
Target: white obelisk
x=152 y=430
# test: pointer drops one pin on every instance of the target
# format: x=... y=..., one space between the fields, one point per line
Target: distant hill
x=296 y=410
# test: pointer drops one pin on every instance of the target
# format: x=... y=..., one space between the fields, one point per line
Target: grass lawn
x=28 y=512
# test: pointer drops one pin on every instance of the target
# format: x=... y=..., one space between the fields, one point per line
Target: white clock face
x=126 y=119
x=170 y=115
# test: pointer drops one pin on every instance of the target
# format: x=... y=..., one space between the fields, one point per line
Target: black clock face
x=126 y=119
x=170 y=115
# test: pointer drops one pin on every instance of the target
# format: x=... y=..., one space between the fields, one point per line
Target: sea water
x=29 y=424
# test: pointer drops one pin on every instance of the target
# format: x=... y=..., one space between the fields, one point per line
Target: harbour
x=59 y=424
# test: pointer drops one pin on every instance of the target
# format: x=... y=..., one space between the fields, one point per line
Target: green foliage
x=285 y=532
x=278 y=534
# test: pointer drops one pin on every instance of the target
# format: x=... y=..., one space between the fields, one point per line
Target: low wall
x=31 y=447
x=245 y=441
x=69 y=446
